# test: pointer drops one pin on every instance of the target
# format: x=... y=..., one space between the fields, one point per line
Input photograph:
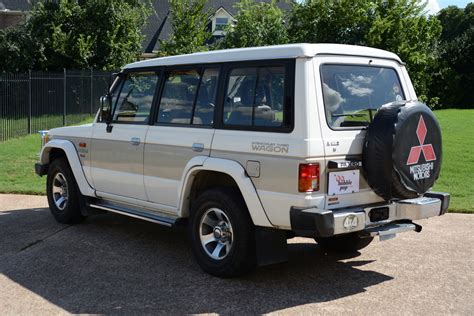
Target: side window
x=188 y=97
x=135 y=98
x=255 y=97
x=178 y=97
x=206 y=98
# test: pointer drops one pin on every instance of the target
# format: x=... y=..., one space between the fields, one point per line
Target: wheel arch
x=214 y=172
x=64 y=148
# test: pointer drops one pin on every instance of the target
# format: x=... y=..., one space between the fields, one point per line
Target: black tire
x=402 y=151
x=348 y=243
x=71 y=212
x=241 y=258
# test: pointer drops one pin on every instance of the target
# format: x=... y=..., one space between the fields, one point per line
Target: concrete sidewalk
x=115 y=264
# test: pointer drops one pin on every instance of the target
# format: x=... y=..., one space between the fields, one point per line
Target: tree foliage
x=100 y=34
x=454 y=72
x=258 y=24
x=189 y=25
x=399 y=26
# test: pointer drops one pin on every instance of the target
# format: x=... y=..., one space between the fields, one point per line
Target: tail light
x=308 y=177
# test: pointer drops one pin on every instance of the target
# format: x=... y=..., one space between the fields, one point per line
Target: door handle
x=199 y=147
x=135 y=141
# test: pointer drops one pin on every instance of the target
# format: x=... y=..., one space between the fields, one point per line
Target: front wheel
x=347 y=243
x=222 y=233
x=63 y=193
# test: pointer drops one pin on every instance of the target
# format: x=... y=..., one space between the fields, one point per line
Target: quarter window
x=135 y=98
x=255 y=97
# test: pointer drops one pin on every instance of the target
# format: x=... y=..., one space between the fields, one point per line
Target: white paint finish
x=78 y=134
x=237 y=172
x=74 y=162
x=162 y=190
x=117 y=164
x=277 y=205
x=363 y=197
x=266 y=52
x=168 y=150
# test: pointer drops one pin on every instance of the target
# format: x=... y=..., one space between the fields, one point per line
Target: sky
x=435 y=5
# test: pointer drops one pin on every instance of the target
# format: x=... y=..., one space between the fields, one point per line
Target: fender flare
x=236 y=172
x=73 y=159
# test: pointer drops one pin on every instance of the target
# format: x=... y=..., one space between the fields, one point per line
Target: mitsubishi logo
x=426 y=149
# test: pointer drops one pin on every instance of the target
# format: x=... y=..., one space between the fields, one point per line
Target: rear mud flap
x=270 y=245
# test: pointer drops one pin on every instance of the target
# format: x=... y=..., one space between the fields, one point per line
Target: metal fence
x=39 y=100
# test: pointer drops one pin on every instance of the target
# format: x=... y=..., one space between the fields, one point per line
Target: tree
x=189 y=24
x=258 y=24
x=18 y=52
x=454 y=74
x=100 y=34
x=399 y=26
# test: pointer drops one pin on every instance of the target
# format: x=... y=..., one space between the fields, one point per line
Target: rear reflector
x=308 y=178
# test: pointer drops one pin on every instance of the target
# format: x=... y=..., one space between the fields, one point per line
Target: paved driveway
x=114 y=264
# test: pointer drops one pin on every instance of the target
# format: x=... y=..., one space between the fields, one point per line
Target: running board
x=169 y=222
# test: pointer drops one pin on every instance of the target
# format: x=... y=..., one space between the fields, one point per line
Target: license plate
x=343 y=182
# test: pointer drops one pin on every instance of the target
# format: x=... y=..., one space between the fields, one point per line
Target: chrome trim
x=198 y=147
x=147 y=217
x=390 y=229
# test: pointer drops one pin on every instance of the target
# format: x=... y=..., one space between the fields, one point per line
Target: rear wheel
x=222 y=233
x=63 y=193
x=347 y=243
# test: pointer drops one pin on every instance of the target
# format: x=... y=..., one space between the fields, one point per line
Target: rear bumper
x=312 y=222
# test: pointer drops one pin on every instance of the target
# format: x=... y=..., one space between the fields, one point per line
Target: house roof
x=17 y=5
x=266 y=52
x=161 y=8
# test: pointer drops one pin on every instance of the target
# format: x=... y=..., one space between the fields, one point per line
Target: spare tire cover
x=402 y=150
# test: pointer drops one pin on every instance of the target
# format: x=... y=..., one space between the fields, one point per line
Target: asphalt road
x=115 y=264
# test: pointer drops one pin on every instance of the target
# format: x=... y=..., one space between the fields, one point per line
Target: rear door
x=117 y=155
x=350 y=90
x=182 y=130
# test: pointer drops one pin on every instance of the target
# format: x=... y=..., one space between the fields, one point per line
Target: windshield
x=353 y=94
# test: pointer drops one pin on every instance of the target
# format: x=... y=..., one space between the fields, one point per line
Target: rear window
x=353 y=94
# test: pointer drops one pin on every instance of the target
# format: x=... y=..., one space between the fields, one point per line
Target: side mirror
x=106 y=108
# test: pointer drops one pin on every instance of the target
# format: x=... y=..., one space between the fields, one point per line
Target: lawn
x=19 y=155
x=16 y=127
x=457 y=170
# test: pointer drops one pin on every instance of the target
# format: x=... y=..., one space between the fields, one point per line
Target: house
x=222 y=13
x=13 y=12
x=158 y=27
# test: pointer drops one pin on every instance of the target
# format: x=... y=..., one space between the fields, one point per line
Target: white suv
x=252 y=146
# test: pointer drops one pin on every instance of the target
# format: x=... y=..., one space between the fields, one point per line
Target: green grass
x=17 y=174
x=17 y=127
x=457 y=173
x=17 y=159
x=457 y=170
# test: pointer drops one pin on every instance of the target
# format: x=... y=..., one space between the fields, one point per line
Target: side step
x=165 y=221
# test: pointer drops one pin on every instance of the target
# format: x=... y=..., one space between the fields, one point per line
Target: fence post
x=64 y=97
x=92 y=90
x=29 y=102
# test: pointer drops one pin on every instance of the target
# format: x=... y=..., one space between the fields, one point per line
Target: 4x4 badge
x=427 y=149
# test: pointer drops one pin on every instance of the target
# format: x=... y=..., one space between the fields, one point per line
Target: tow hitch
x=389 y=231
